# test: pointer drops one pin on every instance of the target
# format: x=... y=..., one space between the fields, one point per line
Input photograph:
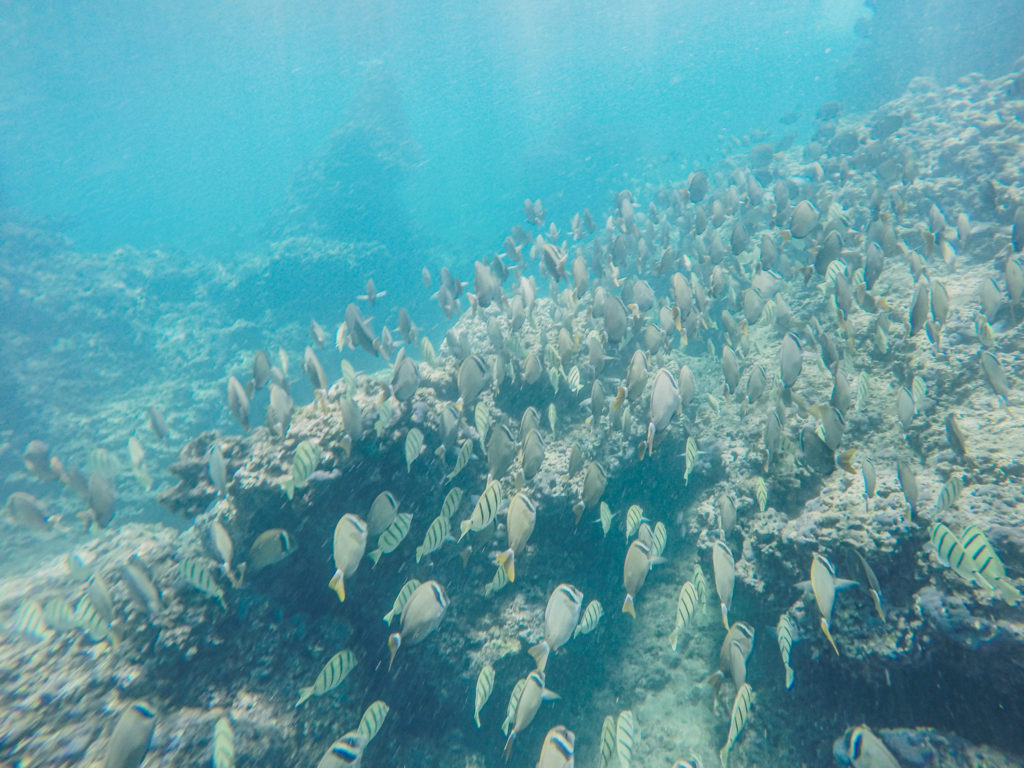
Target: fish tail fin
x=540 y=652
x=388 y=617
x=1009 y=592
x=674 y=640
x=627 y=606
x=789 y=677
x=476 y=719
x=507 y=560
x=419 y=554
x=241 y=575
x=725 y=617
x=304 y=693
x=394 y=643
x=288 y=484
x=723 y=755
x=465 y=527
x=828 y=634
x=507 y=752
x=375 y=555
x=337 y=583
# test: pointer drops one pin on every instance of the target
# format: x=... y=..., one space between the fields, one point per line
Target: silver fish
x=130 y=739
x=349 y=546
x=561 y=616
x=725 y=577
x=420 y=616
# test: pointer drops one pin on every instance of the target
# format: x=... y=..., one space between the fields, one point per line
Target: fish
x=102 y=498
x=413 y=447
x=984 y=561
x=400 y=600
x=726 y=509
x=30 y=620
x=950 y=492
x=532 y=453
x=823 y=583
x=955 y=436
x=392 y=537
x=658 y=540
x=594 y=481
x=158 y=423
x=725 y=577
x=558 y=748
x=737 y=719
x=906 y=410
x=784 y=632
x=552 y=417
x=561 y=617
x=346 y=752
x=485 y=510
x=269 y=548
x=686 y=608
x=382 y=514
x=223 y=743
x=197 y=573
x=861 y=748
x=919 y=306
x=482 y=422
x=520 y=520
x=471 y=379
x=484 y=686
x=995 y=375
x=238 y=402
x=461 y=460
x=605 y=518
x=873 y=586
x=350 y=534
x=279 y=412
x=130 y=739
x=26 y=511
x=513 y=702
x=405 y=377
x=790 y=359
x=588 y=621
x=626 y=734
x=908 y=483
x=634 y=572
x=498 y=582
x=691 y=459
x=217 y=469
x=143 y=592
x=372 y=719
x=304 y=461
x=761 y=493
x=57 y=614
x=314 y=370
x=331 y=676
x=532 y=695
x=665 y=401
x=358 y=331
x=421 y=615
x=634 y=516
x=438 y=531
x=137 y=454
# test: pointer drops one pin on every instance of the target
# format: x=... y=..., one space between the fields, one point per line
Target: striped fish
x=331 y=676
x=413 y=447
x=605 y=517
x=740 y=713
x=591 y=616
x=451 y=502
x=307 y=456
x=513 y=702
x=658 y=539
x=950 y=550
x=484 y=686
x=372 y=719
x=950 y=492
x=88 y=620
x=634 y=516
x=30 y=620
x=59 y=615
x=573 y=379
x=918 y=391
x=761 y=492
x=427 y=350
x=485 y=510
x=691 y=459
x=625 y=727
x=700 y=583
x=223 y=744
x=607 y=741
x=499 y=582
x=836 y=267
x=384 y=417
x=195 y=571
x=438 y=531
x=482 y=422
x=987 y=565
x=784 y=632
x=394 y=535
x=465 y=453
x=686 y=607
x=403 y=596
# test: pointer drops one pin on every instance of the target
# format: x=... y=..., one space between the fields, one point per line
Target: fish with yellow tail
x=740 y=713
x=421 y=614
x=519 y=522
x=561 y=616
x=634 y=573
x=824 y=584
x=533 y=695
x=350 y=536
